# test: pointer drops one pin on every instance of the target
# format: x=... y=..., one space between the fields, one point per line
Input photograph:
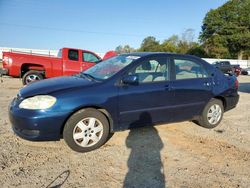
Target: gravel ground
x=173 y=155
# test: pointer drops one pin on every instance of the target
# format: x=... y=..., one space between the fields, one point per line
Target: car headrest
x=146 y=66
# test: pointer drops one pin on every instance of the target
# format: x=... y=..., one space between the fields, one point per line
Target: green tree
x=226 y=30
x=186 y=42
x=183 y=43
x=170 y=44
x=124 y=49
x=197 y=50
x=150 y=44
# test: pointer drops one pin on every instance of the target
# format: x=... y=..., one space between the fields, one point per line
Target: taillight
x=7 y=60
x=236 y=84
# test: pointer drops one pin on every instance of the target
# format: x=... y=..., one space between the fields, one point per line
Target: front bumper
x=231 y=101
x=36 y=125
x=4 y=71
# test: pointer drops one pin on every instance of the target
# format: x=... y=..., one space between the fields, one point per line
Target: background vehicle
x=245 y=71
x=33 y=67
x=126 y=91
x=226 y=67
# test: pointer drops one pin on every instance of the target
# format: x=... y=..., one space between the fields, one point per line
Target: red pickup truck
x=33 y=67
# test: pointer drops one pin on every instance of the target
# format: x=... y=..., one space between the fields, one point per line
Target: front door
x=148 y=102
x=88 y=60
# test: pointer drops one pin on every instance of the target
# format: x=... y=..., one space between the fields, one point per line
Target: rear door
x=88 y=60
x=72 y=63
x=192 y=87
x=150 y=101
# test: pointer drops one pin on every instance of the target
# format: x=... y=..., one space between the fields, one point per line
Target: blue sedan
x=126 y=91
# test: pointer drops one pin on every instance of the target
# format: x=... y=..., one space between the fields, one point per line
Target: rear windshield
x=59 y=54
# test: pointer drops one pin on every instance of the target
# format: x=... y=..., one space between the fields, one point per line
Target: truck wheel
x=212 y=114
x=31 y=76
x=86 y=130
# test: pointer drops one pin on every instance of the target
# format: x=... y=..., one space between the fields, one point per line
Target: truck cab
x=75 y=60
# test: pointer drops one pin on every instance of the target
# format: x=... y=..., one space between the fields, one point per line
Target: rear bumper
x=4 y=71
x=231 y=101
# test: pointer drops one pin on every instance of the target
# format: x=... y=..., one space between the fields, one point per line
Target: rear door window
x=73 y=55
x=188 y=69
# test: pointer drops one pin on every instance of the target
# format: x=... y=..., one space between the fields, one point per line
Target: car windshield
x=110 y=67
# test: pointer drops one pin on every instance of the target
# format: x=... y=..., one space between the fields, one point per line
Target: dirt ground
x=173 y=155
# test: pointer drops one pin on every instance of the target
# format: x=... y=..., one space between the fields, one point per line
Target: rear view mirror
x=130 y=80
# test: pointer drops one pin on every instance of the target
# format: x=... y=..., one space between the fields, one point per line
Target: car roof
x=143 y=54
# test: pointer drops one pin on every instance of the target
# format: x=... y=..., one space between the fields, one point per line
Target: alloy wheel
x=88 y=132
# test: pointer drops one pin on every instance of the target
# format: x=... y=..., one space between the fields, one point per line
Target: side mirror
x=130 y=80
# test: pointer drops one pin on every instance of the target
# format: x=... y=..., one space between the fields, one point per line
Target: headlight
x=39 y=102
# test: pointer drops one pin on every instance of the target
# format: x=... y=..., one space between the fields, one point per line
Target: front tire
x=212 y=114
x=31 y=76
x=86 y=130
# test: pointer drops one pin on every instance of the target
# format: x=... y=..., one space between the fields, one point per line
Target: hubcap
x=88 y=132
x=32 y=78
x=214 y=114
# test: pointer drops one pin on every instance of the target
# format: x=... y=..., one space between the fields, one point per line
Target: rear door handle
x=168 y=87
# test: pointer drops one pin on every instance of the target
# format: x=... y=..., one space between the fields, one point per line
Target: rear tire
x=86 y=130
x=212 y=114
x=32 y=76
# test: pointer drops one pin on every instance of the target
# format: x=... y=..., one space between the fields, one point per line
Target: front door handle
x=207 y=84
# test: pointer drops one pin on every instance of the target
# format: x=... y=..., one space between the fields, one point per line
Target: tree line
x=225 y=33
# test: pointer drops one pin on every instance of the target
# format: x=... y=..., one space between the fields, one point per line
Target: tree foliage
x=124 y=49
x=150 y=44
x=177 y=44
x=226 y=30
x=183 y=44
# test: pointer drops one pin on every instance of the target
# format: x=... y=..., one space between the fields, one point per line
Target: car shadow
x=144 y=163
x=244 y=87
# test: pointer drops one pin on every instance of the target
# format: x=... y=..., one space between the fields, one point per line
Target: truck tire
x=86 y=130
x=212 y=114
x=32 y=76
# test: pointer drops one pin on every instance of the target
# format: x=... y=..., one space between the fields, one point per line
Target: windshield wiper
x=90 y=77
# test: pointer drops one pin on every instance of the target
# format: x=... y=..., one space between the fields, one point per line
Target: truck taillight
x=7 y=60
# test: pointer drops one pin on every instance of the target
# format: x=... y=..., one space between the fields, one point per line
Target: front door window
x=152 y=70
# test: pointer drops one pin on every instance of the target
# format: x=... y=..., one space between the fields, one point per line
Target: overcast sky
x=96 y=25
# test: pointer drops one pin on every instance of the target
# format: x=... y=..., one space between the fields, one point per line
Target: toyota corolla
x=126 y=91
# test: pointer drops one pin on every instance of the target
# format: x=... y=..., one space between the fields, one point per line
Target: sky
x=97 y=25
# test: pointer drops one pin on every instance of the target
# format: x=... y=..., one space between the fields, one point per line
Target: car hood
x=51 y=85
